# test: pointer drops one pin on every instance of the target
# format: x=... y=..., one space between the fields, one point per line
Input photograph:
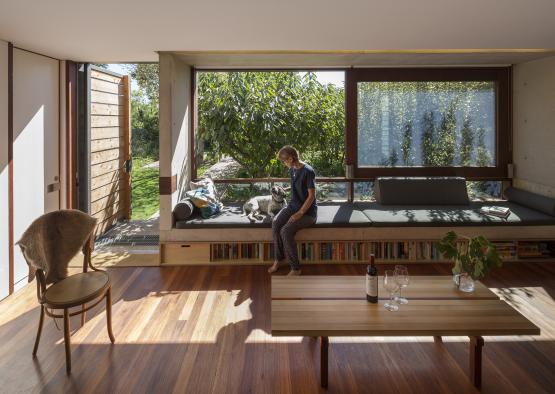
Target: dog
x=270 y=205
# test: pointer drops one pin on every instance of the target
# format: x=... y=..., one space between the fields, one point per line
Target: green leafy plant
x=475 y=257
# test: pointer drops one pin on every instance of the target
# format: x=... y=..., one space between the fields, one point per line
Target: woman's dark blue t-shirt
x=302 y=179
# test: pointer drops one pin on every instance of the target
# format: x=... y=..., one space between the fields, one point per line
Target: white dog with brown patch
x=270 y=205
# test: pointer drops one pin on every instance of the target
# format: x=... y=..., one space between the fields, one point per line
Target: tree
x=447 y=137
x=428 y=137
x=406 y=145
x=483 y=157
x=145 y=127
x=147 y=77
x=251 y=115
x=393 y=158
x=145 y=111
x=467 y=141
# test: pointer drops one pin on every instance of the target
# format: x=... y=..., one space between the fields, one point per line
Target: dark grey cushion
x=421 y=191
x=329 y=215
x=183 y=210
x=340 y=214
x=531 y=200
x=451 y=215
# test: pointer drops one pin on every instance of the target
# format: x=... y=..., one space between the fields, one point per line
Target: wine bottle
x=372 y=282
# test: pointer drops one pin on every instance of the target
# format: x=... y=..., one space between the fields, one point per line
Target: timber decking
x=207 y=329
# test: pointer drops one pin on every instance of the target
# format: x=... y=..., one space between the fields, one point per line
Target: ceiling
x=103 y=31
x=342 y=59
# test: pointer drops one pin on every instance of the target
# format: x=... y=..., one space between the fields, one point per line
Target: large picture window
x=428 y=122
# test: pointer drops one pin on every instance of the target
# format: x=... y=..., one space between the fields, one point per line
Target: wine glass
x=403 y=280
x=391 y=285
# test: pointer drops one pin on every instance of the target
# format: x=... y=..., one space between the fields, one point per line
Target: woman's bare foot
x=294 y=273
x=274 y=267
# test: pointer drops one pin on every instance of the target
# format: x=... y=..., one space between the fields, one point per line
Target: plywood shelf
x=340 y=252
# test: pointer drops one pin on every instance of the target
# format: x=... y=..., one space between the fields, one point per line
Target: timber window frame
x=501 y=76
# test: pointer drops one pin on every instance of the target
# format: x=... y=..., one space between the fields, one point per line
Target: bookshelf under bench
x=339 y=252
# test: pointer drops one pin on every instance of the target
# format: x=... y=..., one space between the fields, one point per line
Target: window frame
x=501 y=76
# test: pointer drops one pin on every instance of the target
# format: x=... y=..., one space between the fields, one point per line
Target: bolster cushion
x=183 y=210
x=531 y=200
x=421 y=191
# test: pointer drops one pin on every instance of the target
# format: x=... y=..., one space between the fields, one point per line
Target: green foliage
x=447 y=138
x=483 y=158
x=251 y=115
x=406 y=145
x=428 y=139
x=146 y=75
x=145 y=201
x=145 y=125
x=467 y=141
x=393 y=158
x=144 y=110
x=475 y=257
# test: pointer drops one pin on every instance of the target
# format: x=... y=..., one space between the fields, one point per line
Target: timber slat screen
x=110 y=195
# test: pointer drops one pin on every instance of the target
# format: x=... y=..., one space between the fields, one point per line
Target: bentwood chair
x=75 y=290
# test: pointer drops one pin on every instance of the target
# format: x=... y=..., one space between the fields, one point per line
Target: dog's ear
x=286 y=189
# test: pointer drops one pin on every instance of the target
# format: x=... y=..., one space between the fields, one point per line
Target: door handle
x=53 y=187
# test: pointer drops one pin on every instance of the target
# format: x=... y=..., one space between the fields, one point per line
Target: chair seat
x=77 y=289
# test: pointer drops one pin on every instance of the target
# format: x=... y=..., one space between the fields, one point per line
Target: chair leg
x=67 y=341
x=83 y=314
x=109 y=314
x=39 y=331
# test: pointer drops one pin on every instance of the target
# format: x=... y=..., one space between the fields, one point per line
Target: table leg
x=476 y=344
x=438 y=339
x=324 y=344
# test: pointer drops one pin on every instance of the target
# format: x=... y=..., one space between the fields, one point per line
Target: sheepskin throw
x=52 y=240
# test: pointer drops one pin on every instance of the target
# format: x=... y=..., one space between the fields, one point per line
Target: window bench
x=395 y=232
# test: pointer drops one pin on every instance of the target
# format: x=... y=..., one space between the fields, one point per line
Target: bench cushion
x=329 y=215
x=421 y=191
x=451 y=215
x=531 y=200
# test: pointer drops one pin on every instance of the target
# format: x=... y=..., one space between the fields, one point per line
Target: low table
x=325 y=306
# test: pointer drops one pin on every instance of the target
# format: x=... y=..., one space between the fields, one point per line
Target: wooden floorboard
x=206 y=330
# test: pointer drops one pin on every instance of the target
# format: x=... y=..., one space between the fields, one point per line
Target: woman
x=299 y=213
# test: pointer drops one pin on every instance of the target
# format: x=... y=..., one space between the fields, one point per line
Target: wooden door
x=110 y=148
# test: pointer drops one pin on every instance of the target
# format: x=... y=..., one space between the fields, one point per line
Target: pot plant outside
x=474 y=258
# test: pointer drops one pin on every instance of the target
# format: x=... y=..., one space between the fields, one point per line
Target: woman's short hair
x=288 y=151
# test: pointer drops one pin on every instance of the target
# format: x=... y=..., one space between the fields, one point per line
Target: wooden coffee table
x=325 y=306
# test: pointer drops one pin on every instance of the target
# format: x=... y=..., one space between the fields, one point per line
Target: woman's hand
x=296 y=216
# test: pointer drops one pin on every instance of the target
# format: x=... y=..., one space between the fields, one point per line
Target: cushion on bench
x=329 y=215
x=451 y=215
x=531 y=200
x=421 y=191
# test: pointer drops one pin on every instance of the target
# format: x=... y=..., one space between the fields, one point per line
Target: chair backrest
x=52 y=240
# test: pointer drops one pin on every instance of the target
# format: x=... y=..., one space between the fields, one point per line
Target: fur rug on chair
x=53 y=239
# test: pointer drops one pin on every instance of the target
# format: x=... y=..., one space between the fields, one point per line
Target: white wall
x=4 y=241
x=175 y=110
x=534 y=126
x=36 y=144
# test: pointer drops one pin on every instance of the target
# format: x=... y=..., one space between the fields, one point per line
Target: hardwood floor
x=206 y=329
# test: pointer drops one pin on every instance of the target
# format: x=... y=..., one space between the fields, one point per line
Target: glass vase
x=464 y=282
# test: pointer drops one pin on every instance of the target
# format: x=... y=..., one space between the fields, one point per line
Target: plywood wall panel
x=36 y=143
x=4 y=222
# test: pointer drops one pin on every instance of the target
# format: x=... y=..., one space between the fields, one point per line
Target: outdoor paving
x=135 y=236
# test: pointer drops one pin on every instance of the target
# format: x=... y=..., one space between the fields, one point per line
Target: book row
x=356 y=251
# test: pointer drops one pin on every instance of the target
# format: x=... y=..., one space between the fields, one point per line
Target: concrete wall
x=534 y=126
x=175 y=112
x=4 y=241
